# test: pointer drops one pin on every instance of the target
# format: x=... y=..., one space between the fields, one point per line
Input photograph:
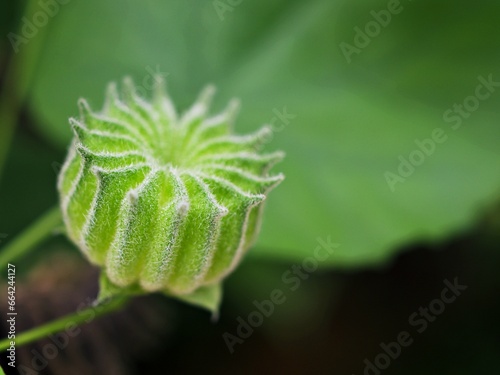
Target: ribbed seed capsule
x=162 y=202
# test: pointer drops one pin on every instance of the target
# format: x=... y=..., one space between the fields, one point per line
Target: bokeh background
x=352 y=89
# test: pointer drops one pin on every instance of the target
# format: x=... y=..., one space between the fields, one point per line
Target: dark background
x=353 y=120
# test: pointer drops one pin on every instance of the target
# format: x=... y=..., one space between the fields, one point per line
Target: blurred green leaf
x=352 y=121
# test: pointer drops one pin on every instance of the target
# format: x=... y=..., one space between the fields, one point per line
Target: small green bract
x=163 y=202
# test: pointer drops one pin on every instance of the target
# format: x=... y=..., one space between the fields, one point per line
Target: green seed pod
x=161 y=202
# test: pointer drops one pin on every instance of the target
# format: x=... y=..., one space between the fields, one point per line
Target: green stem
x=31 y=236
x=68 y=322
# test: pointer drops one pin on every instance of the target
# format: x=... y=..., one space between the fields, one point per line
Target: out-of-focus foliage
x=352 y=120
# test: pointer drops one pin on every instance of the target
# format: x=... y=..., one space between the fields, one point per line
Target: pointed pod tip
x=129 y=89
x=82 y=151
x=128 y=81
x=207 y=94
x=111 y=97
x=233 y=108
x=277 y=156
x=254 y=200
x=84 y=108
x=263 y=135
x=160 y=80
x=78 y=127
x=99 y=172
x=160 y=87
x=111 y=89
